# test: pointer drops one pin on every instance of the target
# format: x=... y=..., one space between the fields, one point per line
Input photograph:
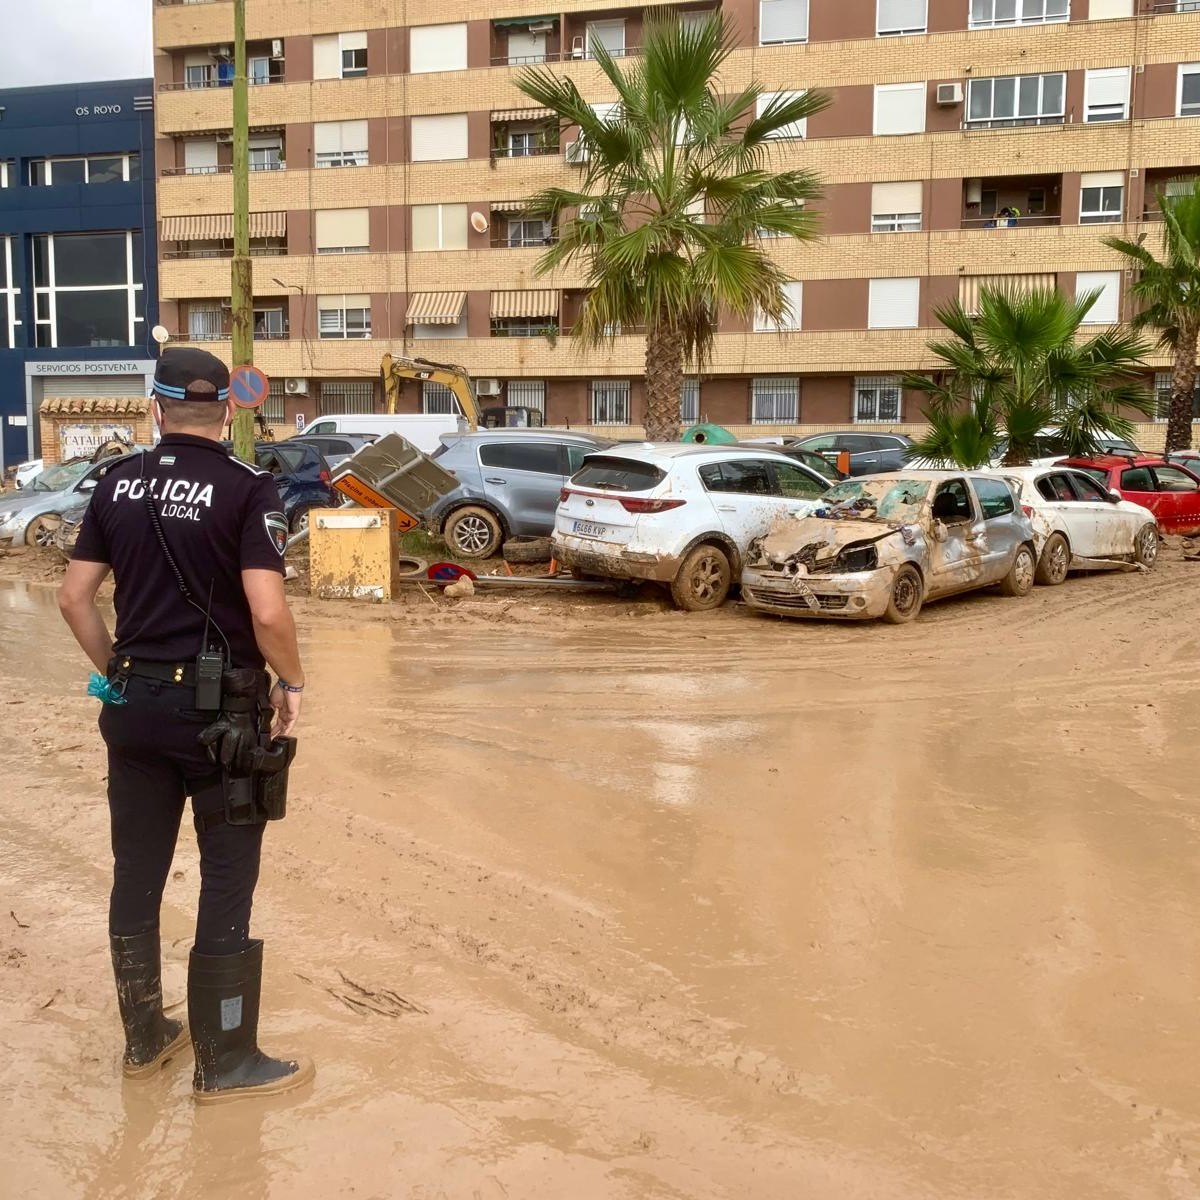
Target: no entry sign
x=248 y=386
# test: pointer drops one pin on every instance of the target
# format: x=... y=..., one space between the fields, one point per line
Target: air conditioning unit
x=277 y=47
x=296 y=386
x=487 y=387
x=575 y=152
x=949 y=93
x=543 y=27
x=224 y=53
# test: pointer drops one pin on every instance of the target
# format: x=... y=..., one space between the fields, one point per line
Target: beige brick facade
x=833 y=346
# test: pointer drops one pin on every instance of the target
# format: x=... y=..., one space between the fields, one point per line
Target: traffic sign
x=248 y=386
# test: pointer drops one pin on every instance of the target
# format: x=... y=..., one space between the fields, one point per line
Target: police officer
x=195 y=541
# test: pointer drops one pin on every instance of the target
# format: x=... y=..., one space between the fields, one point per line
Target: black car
x=870 y=453
x=335 y=448
x=301 y=475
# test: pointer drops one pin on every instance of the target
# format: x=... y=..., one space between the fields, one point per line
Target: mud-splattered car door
x=743 y=493
x=958 y=547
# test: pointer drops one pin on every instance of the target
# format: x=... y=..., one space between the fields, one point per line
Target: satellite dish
x=160 y=334
x=479 y=222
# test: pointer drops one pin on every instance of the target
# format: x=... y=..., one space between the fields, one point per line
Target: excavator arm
x=393 y=369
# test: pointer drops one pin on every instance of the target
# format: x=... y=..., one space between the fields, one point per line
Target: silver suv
x=510 y=485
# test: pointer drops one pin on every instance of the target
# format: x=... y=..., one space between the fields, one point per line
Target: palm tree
x=1169 y=290
x=676 y=190
x=1017 y=366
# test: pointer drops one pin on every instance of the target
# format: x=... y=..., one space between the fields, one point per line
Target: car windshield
x=874 y=499
x=617 y=475
x=1099 y=474
x=57 y=479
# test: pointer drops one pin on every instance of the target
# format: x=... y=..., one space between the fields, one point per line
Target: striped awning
x=215 y=227
x=525 y=304
x=435 y=308
x=521 y=114
x=969 y=286
x=507 y=206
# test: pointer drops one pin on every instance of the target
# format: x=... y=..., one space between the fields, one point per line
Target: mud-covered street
x=595 y=900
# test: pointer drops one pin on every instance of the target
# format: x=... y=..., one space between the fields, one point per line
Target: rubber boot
x=151 y=1038
x=223 y=1000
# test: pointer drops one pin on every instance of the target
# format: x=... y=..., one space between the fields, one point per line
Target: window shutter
x=454 y=226
x=200 y=155
x=782 y=21
x=797 y=129
x=327 y=56
x=899 y=108
x=1107 y=309
x=1106 y=89
x=900 y=16
x=893 y=303
x=438 y=48
x=425 y=226
x=1099 y=179
x=969 y=286
x=1105 y=10
x=353 y=41
x=338 y=228
x=891 y=198
x=439 y=137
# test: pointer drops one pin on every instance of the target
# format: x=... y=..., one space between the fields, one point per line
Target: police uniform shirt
x=219 y=517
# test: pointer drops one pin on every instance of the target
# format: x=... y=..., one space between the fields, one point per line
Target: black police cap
x=180 y=368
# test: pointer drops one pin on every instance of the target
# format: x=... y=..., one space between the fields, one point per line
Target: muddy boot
x=151 y=1038
x=223 y=995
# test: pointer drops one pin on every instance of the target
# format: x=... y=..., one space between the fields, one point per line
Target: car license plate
x=590 y=529
x=807 y=595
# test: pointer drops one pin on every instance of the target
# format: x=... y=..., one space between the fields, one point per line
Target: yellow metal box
x=354 y=553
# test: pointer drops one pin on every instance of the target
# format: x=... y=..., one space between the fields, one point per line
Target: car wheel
x=299 y=521
x=1145 y=546
x=41 y=531
x=473 y=532
x=703 y=581
x=908 y=594
x=1055 y=562
x=1019 y=580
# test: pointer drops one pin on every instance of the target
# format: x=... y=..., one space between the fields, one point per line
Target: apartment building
x=969 y=141
x=78 y=281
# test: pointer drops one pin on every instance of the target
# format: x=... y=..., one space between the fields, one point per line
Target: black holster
x=260 y=796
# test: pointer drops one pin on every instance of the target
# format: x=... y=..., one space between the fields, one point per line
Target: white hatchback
x=678 y=514
x=1077 y=525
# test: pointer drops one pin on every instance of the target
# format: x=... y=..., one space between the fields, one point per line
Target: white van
x=422 y=430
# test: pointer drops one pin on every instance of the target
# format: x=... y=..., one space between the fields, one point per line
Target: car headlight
x=858 y=556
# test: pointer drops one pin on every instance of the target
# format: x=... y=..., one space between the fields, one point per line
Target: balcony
x=1166 y=181
x=524 y=133
x=513 y=230
x=1011 y=202
x=212 y=66
x=213 y=155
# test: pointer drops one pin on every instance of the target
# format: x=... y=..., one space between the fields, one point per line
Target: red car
x=1167 y=489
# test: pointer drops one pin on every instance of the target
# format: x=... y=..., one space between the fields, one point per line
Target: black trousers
x=154 y=763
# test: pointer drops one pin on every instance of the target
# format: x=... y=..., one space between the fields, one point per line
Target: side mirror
x=940 y=532
x=1114 y=497
x=87 y=485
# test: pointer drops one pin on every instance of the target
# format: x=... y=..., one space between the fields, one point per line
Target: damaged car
x=884 y=545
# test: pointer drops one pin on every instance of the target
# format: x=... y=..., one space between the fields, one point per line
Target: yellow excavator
x=394 y=369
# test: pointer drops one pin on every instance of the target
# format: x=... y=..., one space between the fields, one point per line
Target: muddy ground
x=583 y=898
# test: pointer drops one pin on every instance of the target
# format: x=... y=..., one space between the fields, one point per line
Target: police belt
x=180 y=673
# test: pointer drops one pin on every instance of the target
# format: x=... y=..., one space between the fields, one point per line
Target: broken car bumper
x=863 y=595
x=611 y=560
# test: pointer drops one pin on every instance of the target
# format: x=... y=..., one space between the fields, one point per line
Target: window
x=899 y=16
x=893 y=303
x=525 y=47
x=343 y=230
x=1016 y=100
x=97 y=169
x=877 y=399
x=440 y=137
x=1162 y=393
x=357 y=397
x=1137 y=479
x=3 y=172
x=775 y=400
x=952 y=502
x=1101 y=197
x=995 y=498
x=521 y=326
x=340 y=144
x=542 y=457
x=1106 y=94
x=797 y=484
x=526 y=231
x=206 y=323
x=610 y=402
x=896 y=207
x=899 y=108
x=438 y=398
x=1105 y=10
x=455 y=331
x=689 y=401
x=343 y=317
x=439 y=227
x=266 y=153
x=8 y=296
x=970 y=286
x=1086 y=488
x=1107 y=309
x=1188 y=100
x=437 y=48
x=782 y=21
x=994 y=14
x=200 y=156
x=793 y=300
x=88 y=289
x=745 y=476
x=273 y=409
x=269 y=322
x=339 y=55
x=1172 y=479
x=794 y=129
x=527 y=393
x=609 y=34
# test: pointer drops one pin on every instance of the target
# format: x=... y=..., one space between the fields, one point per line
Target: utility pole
x=242 y=281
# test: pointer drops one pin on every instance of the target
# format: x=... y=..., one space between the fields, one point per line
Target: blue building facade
x=78 y=275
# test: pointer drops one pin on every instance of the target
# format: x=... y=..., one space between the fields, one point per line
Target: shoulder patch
x=277 y=530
